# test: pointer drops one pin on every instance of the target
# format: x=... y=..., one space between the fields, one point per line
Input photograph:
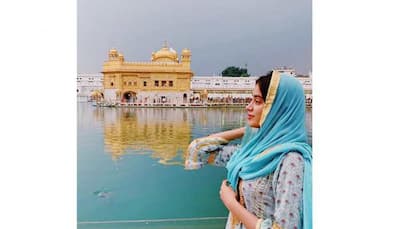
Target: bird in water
x=102 y=193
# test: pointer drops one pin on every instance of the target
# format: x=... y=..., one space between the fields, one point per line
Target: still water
x=130 y=167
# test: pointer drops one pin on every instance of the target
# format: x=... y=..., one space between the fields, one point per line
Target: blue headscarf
x=282 y=130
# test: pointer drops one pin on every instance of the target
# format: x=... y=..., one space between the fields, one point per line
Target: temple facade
x=165 y=79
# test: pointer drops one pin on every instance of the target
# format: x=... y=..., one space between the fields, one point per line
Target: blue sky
x=259 y=34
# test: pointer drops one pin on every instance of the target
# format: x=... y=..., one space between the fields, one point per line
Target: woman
x=269 y=175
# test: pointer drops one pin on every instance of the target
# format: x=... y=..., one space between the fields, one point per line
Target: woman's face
x=255 y=108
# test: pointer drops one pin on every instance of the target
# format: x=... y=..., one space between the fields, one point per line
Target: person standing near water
x=268 y=182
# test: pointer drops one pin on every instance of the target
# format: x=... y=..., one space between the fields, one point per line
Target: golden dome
x=165 y=54
x=186 y=51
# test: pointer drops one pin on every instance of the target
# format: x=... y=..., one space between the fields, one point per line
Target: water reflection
x=128 y=188
x=164 y=133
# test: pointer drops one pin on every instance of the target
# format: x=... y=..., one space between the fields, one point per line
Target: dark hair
x=263 y=82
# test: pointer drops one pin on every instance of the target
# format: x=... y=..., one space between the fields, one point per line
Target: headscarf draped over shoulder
x=282 y=130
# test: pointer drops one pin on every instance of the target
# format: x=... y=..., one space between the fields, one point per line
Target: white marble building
x=222 y=86
x=88 y=84
x=203 y=88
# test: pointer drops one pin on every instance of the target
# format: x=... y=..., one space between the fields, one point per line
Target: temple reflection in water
x=163 y=133
x=145 y=131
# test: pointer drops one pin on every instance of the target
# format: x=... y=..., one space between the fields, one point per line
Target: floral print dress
x=276 y=199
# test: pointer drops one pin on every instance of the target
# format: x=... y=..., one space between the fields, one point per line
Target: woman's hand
x=227 y=195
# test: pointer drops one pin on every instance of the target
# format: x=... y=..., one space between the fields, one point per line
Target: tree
x=235 y=72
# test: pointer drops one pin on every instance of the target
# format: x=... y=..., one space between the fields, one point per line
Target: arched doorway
x=129 y=97
x=184 y=98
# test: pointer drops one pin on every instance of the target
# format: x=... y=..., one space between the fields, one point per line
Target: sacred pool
x=130 y=170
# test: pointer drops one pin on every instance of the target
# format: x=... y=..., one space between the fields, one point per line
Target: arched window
x=112 y=84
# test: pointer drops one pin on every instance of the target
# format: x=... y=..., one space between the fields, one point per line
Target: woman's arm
x=212 y=149
x=230 y=134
